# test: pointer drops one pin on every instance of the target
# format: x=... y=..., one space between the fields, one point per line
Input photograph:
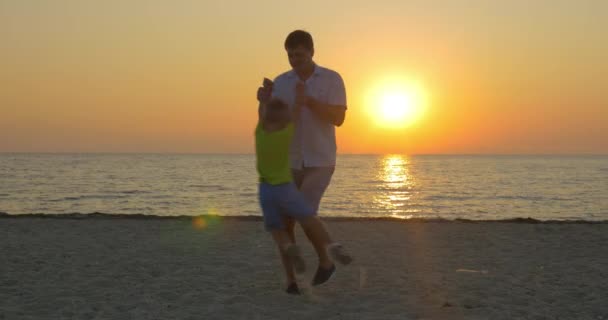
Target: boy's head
x=277 y=112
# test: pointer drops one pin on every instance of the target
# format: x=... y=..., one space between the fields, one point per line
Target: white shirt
x=314 y=141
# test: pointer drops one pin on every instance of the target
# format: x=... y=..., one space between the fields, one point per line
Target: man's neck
x=306 y=73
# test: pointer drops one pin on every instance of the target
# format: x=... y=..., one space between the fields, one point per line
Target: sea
x=451 y=187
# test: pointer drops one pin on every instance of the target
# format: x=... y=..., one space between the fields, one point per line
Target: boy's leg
x=289 y=273
x=290 y=226
x=270 y=204
x=290 y=255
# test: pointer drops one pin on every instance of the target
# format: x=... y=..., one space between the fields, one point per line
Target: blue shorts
x=282 y=199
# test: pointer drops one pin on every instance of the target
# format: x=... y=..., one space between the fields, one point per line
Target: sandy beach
x=228 y=268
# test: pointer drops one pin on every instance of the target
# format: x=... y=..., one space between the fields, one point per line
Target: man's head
x=277 y=112
x=300 y=50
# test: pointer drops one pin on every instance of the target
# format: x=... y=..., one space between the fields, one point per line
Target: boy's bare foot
x=338 y=253
x=293 y=289
x=293 y=252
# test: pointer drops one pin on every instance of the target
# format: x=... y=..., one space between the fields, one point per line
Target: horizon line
x=339 y=154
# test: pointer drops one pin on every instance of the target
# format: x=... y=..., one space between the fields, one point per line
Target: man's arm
x=334 y=110
x=334 y=114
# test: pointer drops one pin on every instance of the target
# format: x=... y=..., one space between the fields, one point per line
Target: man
x=313 y=149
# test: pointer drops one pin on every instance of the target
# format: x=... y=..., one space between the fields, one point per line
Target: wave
x=102 y=215
x=135 y=191
x=208 y=187
x=532 y=198
x=95 y=196
x=248 y=194
x=442 y=197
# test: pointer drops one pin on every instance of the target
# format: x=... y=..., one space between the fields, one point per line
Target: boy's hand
x=265 y=92
x=267 y=83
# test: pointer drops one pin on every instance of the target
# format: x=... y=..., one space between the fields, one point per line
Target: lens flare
x=206 y=220
x=199 y=223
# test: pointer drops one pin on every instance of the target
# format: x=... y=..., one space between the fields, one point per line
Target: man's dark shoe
x=322 y=275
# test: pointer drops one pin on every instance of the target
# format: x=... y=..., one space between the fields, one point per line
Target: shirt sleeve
x=337 y=94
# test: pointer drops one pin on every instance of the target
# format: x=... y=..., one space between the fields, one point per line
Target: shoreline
x=101 y=215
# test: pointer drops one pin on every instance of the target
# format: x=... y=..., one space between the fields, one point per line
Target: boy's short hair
x=276 y=110
x=299 y=38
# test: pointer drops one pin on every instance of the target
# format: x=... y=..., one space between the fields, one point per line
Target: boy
x=279 y=195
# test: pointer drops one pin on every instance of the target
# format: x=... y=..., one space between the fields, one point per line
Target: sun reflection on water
x=395 y=188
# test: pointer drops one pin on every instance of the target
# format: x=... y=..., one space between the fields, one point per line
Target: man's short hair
x=299 y=38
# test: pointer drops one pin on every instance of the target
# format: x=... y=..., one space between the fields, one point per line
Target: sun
x=396 y=107
x=397 y=104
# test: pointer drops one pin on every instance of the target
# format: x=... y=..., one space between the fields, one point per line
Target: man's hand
x=265 y=91
x=301 y=98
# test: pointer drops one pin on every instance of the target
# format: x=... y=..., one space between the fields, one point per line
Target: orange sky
x=180 y=76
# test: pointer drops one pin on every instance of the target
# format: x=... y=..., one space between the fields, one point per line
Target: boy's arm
x=261 y=107
x=264 y=94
